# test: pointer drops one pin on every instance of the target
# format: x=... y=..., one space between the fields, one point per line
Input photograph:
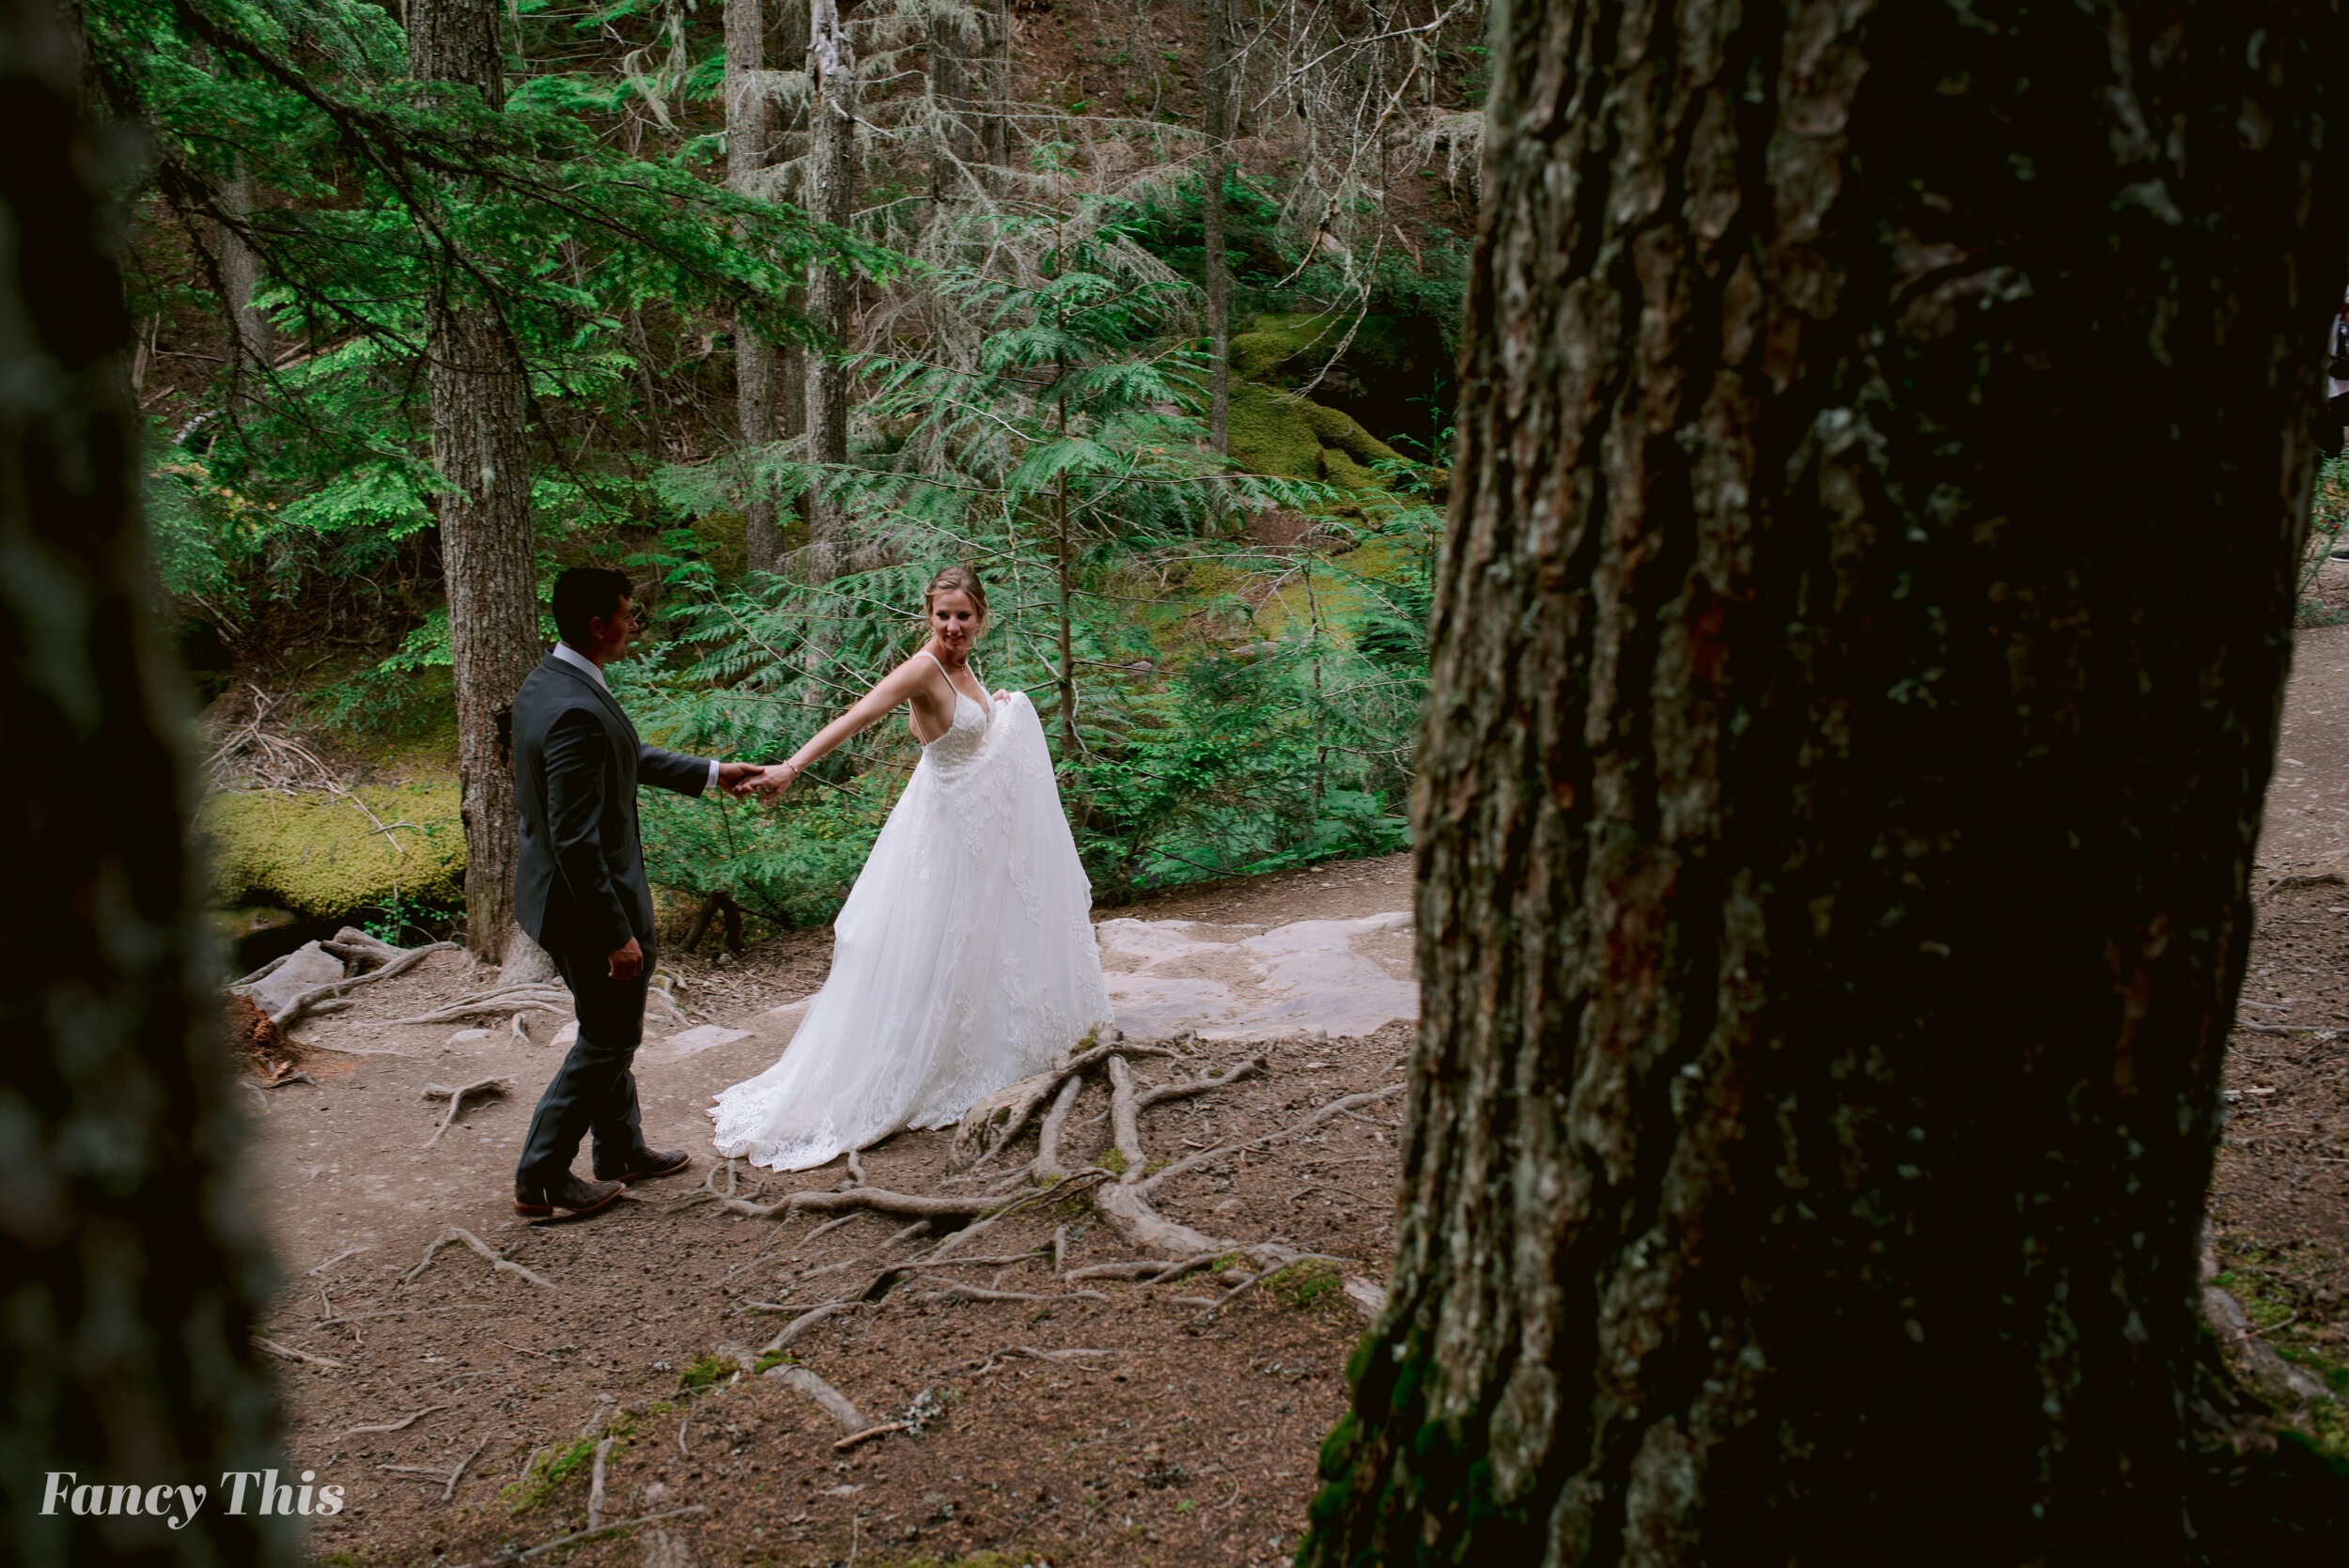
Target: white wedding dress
x=962 y=961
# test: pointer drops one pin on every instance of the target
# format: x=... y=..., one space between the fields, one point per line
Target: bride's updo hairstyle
x=957 y=580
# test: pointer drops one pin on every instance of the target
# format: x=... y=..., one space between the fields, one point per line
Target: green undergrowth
x=551 y=1469
x=2281 y=1291
x=1302 y=1284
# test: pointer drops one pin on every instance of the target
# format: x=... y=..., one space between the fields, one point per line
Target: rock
x=1305 y=981
x=664 y=1548
x=1370 y=1299
x=565 y=1034
x=463 y=1035
x=693 y=1041
x=305 y=970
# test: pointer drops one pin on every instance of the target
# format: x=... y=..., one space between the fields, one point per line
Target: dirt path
x=1171 y=1438
x=1075 y=1422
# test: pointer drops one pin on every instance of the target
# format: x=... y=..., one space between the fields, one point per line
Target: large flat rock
x=1238 y=981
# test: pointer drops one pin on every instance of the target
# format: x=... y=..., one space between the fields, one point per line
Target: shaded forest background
x=782 y=395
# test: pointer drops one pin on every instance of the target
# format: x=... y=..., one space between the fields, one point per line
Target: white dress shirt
x=577 y=659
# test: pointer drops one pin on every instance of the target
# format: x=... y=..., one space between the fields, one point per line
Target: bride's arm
x=868 y=710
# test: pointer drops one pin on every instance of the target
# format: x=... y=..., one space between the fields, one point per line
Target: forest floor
x=1048 y=1418
x=1069 y=1420
x=2279 y=1198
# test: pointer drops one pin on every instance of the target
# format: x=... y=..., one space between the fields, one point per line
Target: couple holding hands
x=963 y=958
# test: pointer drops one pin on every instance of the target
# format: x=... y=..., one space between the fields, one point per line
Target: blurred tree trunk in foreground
x=488 y=551
x=129 y=1280
x=1886 y=441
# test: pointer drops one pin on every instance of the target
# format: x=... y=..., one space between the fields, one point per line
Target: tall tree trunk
x=830 y=199
x=489 y=553
x=241 y=272
x=130 y=1269
x=750 y=133
x=954 y=35
x=995 y=127
x=1886 y=443
x=1217 y=82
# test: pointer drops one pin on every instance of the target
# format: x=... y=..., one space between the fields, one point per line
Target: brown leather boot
x=652 y=1163
x=571 y=1193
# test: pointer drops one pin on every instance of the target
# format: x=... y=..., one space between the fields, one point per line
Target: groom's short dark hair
x=583 y=593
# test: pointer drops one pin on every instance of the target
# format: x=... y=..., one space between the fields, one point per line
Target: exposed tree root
x=614 y=1528
x=951 y=1290
x=505 y=998
x=454 y=1235
x=836 y=1404
x=456 y=1099
x=292 y=1355
x=399 y=1425
x=311 y=1000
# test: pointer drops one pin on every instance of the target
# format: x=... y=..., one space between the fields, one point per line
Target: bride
x=964 y=956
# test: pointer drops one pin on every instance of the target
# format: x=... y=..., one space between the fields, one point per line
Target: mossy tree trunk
x=1886 y=442
x=131 y=1277
x=480 y=394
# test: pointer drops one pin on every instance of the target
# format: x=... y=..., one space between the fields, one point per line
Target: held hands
x=738 y=778
x=772 y=782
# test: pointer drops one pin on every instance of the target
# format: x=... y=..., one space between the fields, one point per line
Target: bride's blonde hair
x=957 y=580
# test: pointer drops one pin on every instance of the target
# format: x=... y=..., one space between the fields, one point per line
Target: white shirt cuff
x=713 y=774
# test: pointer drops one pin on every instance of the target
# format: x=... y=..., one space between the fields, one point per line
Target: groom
x=579 y=890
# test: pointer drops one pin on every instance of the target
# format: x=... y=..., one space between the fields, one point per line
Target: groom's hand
x=736 y=778
x=627 y=963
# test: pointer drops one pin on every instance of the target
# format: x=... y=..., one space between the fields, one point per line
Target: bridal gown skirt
x=962 y=961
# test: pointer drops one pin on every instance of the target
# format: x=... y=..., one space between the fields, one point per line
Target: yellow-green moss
x=1266 y=345
x=1296 y=437
x=322 y=856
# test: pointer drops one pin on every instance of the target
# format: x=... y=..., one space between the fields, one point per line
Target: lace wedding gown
x=962 y=961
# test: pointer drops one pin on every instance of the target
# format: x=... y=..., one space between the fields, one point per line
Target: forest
x=1694 y=655
x=1148 y=311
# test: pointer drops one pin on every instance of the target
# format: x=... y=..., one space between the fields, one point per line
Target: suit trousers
x=593 y=1090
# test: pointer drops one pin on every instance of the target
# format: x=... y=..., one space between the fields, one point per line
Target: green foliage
x=2328 y=519
x=1228 y=707
x=705 y=1369
x=1302 y=1284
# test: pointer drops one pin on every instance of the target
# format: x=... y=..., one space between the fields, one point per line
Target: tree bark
x=1216 y=78
x=131 y=1275
x=955 y=35
x=241 y=272
x=995 y=127
x=830 y=199
x=1886 y=443
x=750 y=134
x=480 y=394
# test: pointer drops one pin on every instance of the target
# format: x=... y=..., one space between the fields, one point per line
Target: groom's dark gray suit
x=579 y=890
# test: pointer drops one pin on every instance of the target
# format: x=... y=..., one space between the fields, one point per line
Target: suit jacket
x=579 y=885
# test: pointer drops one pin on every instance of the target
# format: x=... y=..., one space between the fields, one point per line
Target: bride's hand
x=1002 y=696
x=773 y=781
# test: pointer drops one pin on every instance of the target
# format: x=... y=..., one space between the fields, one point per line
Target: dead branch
x=278 y=1082
x=410 y=1311
x=346 y=1252
x=951 y=1290
x=612 y=1528
x=855 y=1437
x=835 y=1404
x=349 y=1050
x=2317 y=879
x=496 y=1260
x=868 y=1198
x=456 y=1099
x=401 y=1425
x=458 y=1473
x=292 y=1355
x=309 y=1000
